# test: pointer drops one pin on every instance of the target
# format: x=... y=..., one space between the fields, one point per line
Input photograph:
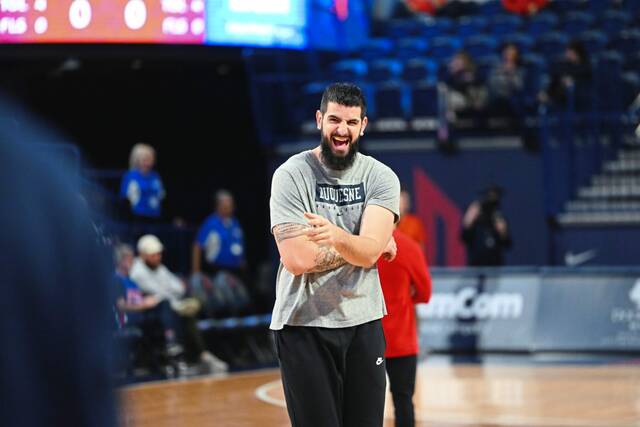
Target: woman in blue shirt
x=141 y=186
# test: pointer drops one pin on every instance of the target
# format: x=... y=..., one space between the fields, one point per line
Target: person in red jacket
x=425 y=6
x=524 y=7
x=405 y=282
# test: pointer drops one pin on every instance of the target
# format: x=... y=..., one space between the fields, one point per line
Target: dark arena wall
x=195 y=111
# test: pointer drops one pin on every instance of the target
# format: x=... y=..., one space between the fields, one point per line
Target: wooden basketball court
x=446 y=396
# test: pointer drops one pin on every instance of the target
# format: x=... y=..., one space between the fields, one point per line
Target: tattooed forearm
x=327 y=259
x=288 y=231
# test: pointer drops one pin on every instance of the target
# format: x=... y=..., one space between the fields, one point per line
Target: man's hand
x=390 y=250
x=472 y=213
x=150 y=301
x=323 y=232
x=501 y=226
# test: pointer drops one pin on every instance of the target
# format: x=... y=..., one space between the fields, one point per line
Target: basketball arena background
x=226 y=90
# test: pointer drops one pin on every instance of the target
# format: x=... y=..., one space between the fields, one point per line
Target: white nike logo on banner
x=573 y=260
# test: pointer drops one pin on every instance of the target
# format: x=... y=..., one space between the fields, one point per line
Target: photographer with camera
x=485 y=232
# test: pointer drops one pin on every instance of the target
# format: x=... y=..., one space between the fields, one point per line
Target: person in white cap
x=155 y=279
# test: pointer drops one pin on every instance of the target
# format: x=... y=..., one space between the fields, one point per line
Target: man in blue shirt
x=222 y=240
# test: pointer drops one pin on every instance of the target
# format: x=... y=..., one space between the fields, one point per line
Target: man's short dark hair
x=346 y=94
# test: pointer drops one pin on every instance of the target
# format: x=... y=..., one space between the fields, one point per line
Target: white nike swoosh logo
x=573 y=260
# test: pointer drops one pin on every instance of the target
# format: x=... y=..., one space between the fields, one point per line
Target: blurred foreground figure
x=55 y=314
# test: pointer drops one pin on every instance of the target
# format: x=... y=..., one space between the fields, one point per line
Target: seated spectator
x=572 y=75
x=130 y=298
x=141 y=311
x=506 y=82
x=221 y=239
x=141 y=186
x=156 y=279
x=524 y=7
x=457 y=8
x=466 y=93
x=429 y=7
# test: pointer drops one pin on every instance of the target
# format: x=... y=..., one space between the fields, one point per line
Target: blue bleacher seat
x=575 y=23
x=377 y=48
x=368 y=90
x=418 y=69
x=626 y=41
x=444 y=47
x=609 y=63
x=609 y=81
x=384 y=69
x=403 y=28
x=597 y=7
x=485 y=64
x=551 y=44
x=408 y=48
x=632 y=62
x=389 y=101
x=471 y=26
x=614 y=21
x=349 y=69
x=490 y=8
x=535 y=62
x=565 y=6
x=480 y=45
x=632 y=6
x=424 y=100
x=595 y=41
x=436 y=28
x=542 y=23
x=523 y=41
x=503 y=24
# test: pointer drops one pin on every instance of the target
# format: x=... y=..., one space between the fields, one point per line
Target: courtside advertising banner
x=584 y=312
x=484 y=311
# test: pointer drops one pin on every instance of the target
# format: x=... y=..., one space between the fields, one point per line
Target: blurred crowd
x=162 y=306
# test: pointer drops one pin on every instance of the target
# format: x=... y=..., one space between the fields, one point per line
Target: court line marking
x=207 y=378
x=262 y=393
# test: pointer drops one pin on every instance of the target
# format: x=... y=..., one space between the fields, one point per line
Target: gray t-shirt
x=347 y=295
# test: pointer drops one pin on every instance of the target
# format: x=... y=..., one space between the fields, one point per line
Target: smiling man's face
x=341 y=127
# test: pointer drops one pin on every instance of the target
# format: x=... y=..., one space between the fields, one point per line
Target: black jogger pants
x=333 y=377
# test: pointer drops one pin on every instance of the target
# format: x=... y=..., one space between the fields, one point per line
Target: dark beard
x=334 y=162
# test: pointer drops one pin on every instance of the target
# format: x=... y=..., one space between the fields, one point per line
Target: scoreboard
x=277 y=23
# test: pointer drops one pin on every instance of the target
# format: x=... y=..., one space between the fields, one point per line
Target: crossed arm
x=321 y=245
x=296 y=255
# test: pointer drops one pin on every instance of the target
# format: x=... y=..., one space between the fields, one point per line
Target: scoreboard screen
x=272 y=23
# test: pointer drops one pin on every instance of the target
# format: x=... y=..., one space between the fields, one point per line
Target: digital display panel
x=257 y=22
x=279 y=23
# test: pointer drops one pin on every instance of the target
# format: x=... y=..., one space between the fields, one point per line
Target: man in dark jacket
x=485 y=232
